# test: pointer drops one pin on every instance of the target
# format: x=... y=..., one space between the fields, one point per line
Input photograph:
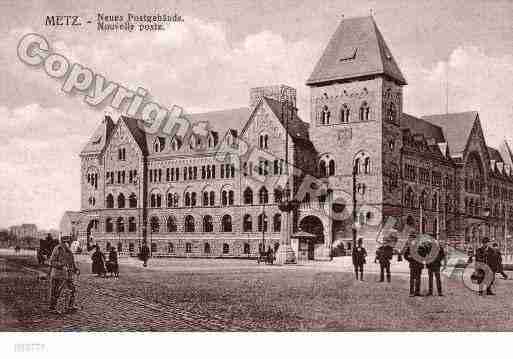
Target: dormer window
x=159 y=144
x=348 y=55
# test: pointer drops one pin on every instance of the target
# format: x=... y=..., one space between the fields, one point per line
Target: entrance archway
x=313 y=225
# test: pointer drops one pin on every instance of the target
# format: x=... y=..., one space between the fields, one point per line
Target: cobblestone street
x=223 y=295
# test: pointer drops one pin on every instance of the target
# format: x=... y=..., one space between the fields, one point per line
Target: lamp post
x=354 y=231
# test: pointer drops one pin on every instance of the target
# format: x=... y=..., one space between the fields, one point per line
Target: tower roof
x=356 y=49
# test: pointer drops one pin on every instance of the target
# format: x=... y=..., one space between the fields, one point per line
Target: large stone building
x=187 y=196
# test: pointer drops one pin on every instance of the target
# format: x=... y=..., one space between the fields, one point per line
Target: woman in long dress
x=98 y=266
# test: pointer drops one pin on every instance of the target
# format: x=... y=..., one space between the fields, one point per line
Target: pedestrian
x=487 y=257
x=112 y=263
x=98 y=265
x=359 y=255
x=500 y=266
x=144 y=254
x=435 y=259
x=414 y=254
x=384 y=255
x=62 y=268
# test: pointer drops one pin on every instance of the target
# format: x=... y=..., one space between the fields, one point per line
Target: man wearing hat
x=384 y=255
x=359 y=254
x=487 y=256
x=62 y=267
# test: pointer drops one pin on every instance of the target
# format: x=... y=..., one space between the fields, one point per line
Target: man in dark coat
x=414 y=254
x=145 y=254
x=500 y=267
x=487 y=257
x=435 y=256
x=384 y=255
x=359 y=254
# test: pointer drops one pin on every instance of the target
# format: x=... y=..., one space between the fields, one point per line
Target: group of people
x=384 y=255
x=267 y=256
x=101 y=266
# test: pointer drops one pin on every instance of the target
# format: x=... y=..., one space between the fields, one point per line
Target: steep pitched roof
x=356 y=49
x=456 y=127
x=419 y=126
x=222 y=121
x=99 y=139
x=494 y=154
x=297 y=129
x=506 y=154
x=138 y=134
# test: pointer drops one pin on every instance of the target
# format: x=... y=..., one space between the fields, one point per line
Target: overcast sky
x=212 y=59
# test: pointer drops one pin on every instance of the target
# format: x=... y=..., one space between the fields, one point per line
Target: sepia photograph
x=255 y=167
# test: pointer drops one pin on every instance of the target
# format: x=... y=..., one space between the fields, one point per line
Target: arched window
x=208 y=224
x=364 y=112
x=226 y=223
x=344 y=114
x=189 y=223
x=212 y=198
x=248 y=196
x=277 y=222
x=132 y=226
x=331 y=168
x=366 y=165
x=224 y=198
x=263 y=196
x=356 y=166
x=110 y=201
x=206 y=248
x=205 y=199
x=278 y=194
x=154 y=224
x=262 y=222
x=170 y=248
x=193 y=199
x=132 y=200
x=121 y=200
x=187 y=199
x=171 y=224
x=155 y=200
x=226 y=248
x=392 y=113
x=362 y=163
x=172 y=199
x=322 y=169
x=247 y=223
x=231 y=196
x=325 y=115
x=120 y=224
x=108 y=225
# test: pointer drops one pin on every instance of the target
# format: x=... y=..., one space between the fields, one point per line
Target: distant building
x=435 y=174
x=24 y=231
x=69 y=225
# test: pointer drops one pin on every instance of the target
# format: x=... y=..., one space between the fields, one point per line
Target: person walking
x=435 y=256
x=500 y=266
x=145 y=254
x=384 y=255
x=487 y=259
x=414 y=254
x=62 y=268
x=359 y=255
x=112 y=263
x=98 y=262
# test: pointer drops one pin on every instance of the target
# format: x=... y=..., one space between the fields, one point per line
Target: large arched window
x=132 y=226
x=263 y=196
x=132 y=200
x=364 y=111
x=189 y=224
x=226 y=223
x=277 y=222
x=362 y=163
x=171 y=224
x=109 y=202
x=154 y=224
x=344 y=114
x=248 y=196
x=325 y=115
x=247 y=223
x=208 y=224
x=227 y=197
x=172 y=199
x=121 y=200
x=262 y=222
x=108 y=225
x=155 y=200
x=120 y=224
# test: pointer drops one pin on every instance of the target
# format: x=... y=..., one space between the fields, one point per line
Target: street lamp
x=354 y=230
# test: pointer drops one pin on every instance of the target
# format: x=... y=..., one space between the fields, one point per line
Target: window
x=246 y=248
x=277 y=222
x=171 y=224
x=366 y=165
x=132 y=200
x=110 y=201
x=188 y=247
x=331 y=168
x=120 y=224
x=155 y=200
x=262 y=223
x=132 y=227
x=325 y=115
x=226 y=248
x=189 y=224
x=108 y=225
x=364 y=112
x=208 y=225
x=322 y=169
x=362 y=163
x=172 y=200
x=263 y=196
x=170 y=248
x=247 y=223
x=121 y=154
x=154 y=225
x=206 y=248
x=226 y=223
x=212 y=198
x=263 y=141
x=392 y=113
x=278 y=193
x=121 y=200
x=344 y=114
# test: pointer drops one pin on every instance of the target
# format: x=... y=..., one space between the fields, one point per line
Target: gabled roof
x=297 y=129
x=99 y=139
x=356 y=49
x=494 y=154
x=419 y=126
x=138 y=134
x=506 y=154
x=456 y=127
x=222 y=121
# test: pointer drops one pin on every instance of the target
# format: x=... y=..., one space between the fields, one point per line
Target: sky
x=212 y=59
